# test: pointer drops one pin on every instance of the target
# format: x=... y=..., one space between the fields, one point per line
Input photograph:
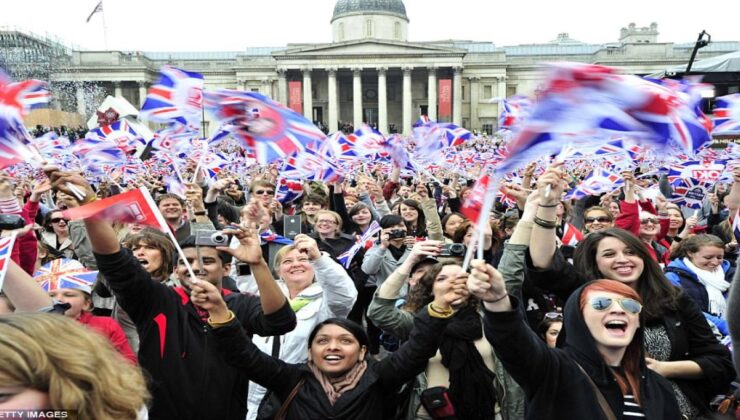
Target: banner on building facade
x=295 y=96
x=445 y=99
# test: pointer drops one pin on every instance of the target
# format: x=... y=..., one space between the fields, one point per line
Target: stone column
x=117 y=90
x=307 y=94
x=407 y=100
x=333 y=105
x=382 y=101
x=457 y=96
x=142 y=92
x=357 y=97
x=282 y=87
x=432 y=94
x=501 y=93
x=81 y=106
x=266 y=87
x=474 y=99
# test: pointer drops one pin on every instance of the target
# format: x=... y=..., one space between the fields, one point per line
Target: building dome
x=363 y=19
x=377 y=7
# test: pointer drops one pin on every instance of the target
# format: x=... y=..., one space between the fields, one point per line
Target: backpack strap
x=284 y=408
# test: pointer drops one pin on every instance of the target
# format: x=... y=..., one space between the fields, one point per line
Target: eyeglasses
x=603 y=303
x=649 y=220
x=600 y=219
x=59 y=219
x=329 y=222
x=554 y=315
x=264 y=192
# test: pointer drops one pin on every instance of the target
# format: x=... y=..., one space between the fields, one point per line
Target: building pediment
x=368 y=47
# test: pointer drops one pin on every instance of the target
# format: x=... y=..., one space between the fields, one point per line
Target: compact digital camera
x=211 y=238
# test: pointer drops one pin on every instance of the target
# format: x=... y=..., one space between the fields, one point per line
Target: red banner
x=444 y=93
x=135 y=206
x=295 y=96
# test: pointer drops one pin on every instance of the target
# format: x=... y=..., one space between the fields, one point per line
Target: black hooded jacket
x=555 y=386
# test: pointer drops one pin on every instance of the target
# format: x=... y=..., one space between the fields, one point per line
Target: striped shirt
x=631 y=409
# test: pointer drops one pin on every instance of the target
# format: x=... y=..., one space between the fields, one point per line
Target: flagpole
x=105 y=27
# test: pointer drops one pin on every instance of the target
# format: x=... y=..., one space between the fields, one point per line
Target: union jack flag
x=265 y=127
x=177 y=96
x=6 y=249
x=597 y=182
x=346 y=257
x=65 y=273
x=690 y=192
x=514 y=111
x=727 y=114
x=22 y=96
x=119 y=133
x=571 y=235
x=271 y=237
x=473 y=204
x=289 y=190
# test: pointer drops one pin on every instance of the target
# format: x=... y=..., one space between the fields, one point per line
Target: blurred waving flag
x=690 y=192
x=265 y=127
x=473 y=204
x=65 y=273
x=346 y=257
x=15 y=101
x=176 y=97
x=135 y=206
x=598 y=182
x=514 y=111
x=120 y=134
x=727 y=114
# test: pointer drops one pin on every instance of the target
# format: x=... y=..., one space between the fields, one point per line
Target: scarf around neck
x=335 y=387
x=714 y=282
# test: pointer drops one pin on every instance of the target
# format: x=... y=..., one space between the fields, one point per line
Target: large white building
x=370 y=71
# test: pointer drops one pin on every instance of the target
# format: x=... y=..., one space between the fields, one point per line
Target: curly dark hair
x=421 y=294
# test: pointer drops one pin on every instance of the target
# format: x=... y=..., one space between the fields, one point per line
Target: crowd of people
x=353 y=302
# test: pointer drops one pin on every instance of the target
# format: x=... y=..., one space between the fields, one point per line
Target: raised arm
x=23 y=291
x=543 y=240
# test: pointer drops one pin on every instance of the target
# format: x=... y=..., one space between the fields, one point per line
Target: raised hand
x=485 y=282
x=307 y=245
x=207 y=296
x=250 y=247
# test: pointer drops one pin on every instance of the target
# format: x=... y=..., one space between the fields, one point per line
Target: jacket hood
x=580 y=344
x=678 y=264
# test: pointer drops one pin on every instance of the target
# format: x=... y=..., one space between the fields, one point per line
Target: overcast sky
x=232 y=25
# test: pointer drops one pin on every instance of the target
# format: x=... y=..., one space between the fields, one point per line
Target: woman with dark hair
x=56 y=234
x=601 y=373
x=700 y=270
x=550 y=327
x=413 y=217
x=450 y=224
x=339 y=381
x=678 y=339
x=597 y=218
x=465 y=362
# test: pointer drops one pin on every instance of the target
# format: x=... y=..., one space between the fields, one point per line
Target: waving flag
x=6 y=249
x=473 y=204
x=367 y=140
x=598 y=182
x=346 y=257
x=51 y=143
x=571 y=235
x=727 y=114
x=265 y=127
x=271 y=237
x=176 y=97
x=135 y=206
x=65 y=273
x=288 y=190
x=514 y=111
x=690 y=192
x=119 y=133
x=15 y=100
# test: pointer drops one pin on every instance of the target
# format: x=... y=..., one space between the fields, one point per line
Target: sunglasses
x=600 y=219
x=649 y=220
x=264 y=192
x=603 y=303
x=554 y=315
x=58 y=219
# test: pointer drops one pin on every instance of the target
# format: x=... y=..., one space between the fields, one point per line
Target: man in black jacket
x=189 y=378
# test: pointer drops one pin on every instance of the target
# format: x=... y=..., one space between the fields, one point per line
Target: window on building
x=510 y=91
x=487 y=92
x=462 y=92
x=487 y=128
x=369 y=28
x=397 y=30
x=255 y=89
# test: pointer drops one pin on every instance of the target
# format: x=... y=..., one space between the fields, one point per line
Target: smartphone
x=291 y=226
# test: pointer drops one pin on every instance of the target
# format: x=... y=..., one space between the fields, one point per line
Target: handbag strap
x=284 y=408
x=599 y=396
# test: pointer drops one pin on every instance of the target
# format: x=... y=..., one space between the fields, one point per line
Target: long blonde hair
x=78 y=368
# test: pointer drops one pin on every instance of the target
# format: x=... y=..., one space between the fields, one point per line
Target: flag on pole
x=474 y=203
x=6 y=249
x=177 y=96
x=98 y=8
x=135 y=206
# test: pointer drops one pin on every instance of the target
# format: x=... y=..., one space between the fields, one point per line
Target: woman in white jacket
x=317 y=288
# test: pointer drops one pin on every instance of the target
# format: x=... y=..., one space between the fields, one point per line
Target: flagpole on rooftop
x=105 y=27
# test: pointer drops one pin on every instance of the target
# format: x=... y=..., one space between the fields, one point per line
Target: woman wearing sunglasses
x=678 y=339
x=597 y=218
x=601 y=373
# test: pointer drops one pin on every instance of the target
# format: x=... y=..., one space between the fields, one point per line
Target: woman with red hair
x=601 y=373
